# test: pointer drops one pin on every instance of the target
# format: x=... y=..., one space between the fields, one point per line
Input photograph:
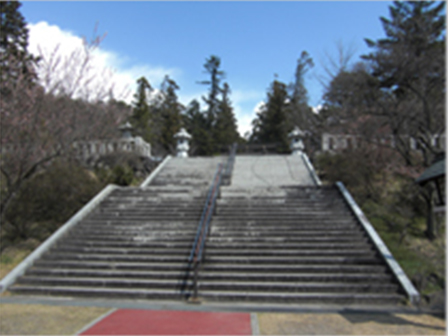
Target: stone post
x=182 y=138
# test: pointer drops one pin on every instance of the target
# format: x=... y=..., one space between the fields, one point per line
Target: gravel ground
x=19 y=319
x=350 y=324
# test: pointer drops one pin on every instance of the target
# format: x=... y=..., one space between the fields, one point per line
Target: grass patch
x=19 y=319
x=13 y=255
x=422 y=260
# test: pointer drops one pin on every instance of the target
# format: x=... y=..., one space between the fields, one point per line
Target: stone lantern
x=296 y=142
x=182 y=143
x=126 y=130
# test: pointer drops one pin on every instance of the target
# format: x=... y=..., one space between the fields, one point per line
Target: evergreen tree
x=170 y=111
x=141 y=115
x=196 y=124
x=212 y=68
x=300 y=113
x=15 y=60
x=271 y=125
x=226 y=132
x=410 y=67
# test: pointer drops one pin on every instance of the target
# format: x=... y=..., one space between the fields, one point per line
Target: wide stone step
x=116 y=257
x=365 y=259
x=284 y=234
x=280 y=219
x=134 y=244
x=297 y=287
x=281 y=240
x=248 y=228
x=106 y=282
x=300 y=274
x=147 y=221
x=100 y=273
x=159 y=294
x=101 y=264
x=324 y=266
x=304 y=298
x=283 y=246
x=291 y=253
x=137 y=231
x=272 y=287
x=138 y=239
x=138 y=226
x=128 y=251
x=174 y=216
x=149 y=212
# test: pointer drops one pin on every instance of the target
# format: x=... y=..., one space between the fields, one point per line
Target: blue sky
x=254 y=40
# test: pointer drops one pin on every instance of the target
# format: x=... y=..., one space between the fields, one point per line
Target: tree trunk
x=431 y=231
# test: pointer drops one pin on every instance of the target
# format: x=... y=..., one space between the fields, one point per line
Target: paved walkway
x=60 y=316
x=270 y=171
x=150 y=322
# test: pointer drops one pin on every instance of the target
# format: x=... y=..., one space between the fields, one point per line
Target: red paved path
x=155 y=322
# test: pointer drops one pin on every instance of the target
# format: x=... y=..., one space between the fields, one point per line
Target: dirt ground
x=350 y=324
x=19 y=319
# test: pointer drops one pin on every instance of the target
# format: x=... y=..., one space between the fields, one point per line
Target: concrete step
x=281 y=227
x=290 y=253
x=295 y=274
x=159 y=294
x=282 y=240
x=105 y=282
x=303 y=233
x=137 y=239
x=105 y=264
x=364 y=259
x=132 y=231
x=128 y=251
x=304 y=298
x=264 y=287
x=135 y=244
x=117 y=257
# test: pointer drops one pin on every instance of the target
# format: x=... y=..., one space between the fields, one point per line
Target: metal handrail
x=230 y=163
x=198 y=245
x=204 y=211
x=207 y=220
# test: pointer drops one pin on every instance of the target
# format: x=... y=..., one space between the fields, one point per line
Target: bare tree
x=41 y=122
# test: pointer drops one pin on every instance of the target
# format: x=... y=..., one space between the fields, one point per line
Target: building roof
x=436 y=170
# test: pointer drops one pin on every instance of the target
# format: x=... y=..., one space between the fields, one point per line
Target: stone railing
x=96 y=148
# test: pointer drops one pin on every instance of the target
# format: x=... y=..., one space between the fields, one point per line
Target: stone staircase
x=272 y=243
x=298 y=245
x=134 y=245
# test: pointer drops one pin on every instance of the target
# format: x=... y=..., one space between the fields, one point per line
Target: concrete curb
x=310 y=167
x=20 y=269
x=406 y=284
x=255 y=326
x=155 y=172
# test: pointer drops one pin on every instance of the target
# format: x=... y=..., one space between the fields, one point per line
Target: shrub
x=48 y=200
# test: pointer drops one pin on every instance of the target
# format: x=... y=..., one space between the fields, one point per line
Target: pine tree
x=170 y=111
x=15 y=60
x=141 y=115
x=271 y=125
x=226 y=132
x=300 y=113
x=212 y=68
x=196 y=124
x=410 y=67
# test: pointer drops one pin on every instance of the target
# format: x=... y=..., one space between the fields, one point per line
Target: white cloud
x=316 y=109
x=44 y=39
